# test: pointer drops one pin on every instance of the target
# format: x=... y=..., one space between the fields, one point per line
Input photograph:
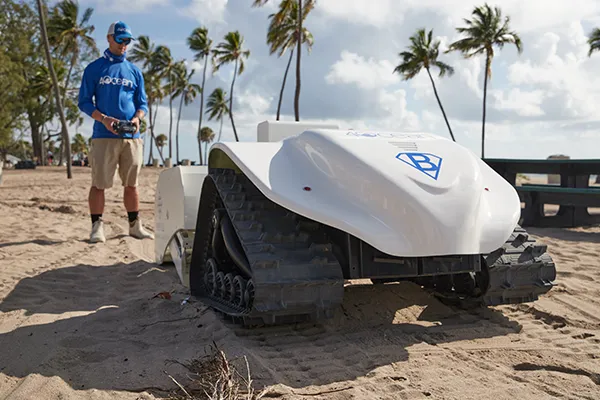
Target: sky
x=541 y=102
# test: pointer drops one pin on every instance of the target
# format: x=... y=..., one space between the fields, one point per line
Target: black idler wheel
x=239 y=291
x=228 y=284
x=249 y=294
x=220 y=285
x=210 y=276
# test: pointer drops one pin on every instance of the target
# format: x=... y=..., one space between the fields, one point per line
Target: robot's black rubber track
x=295 y=276
x=518 y=272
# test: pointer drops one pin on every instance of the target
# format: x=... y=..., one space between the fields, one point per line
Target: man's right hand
x=108 y=122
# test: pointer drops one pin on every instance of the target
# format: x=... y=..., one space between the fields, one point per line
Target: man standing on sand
x=118 y=88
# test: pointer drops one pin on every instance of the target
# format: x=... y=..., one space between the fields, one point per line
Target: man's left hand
x=136 y=122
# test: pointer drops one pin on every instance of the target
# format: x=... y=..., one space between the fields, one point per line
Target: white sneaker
x=137 y=230
x=97 y=234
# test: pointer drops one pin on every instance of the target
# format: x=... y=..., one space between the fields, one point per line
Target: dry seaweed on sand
x=214 y=377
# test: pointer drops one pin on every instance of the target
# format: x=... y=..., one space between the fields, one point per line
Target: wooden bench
x=573 y=195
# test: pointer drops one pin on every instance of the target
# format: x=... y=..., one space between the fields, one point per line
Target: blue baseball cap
x=120 y=30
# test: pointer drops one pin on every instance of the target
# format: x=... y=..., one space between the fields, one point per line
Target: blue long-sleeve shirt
x=117 y=86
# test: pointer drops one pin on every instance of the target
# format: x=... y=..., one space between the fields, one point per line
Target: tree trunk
x=485 y=80
x=283 y=84
x=151 y=129
x=68 y=78
x=36 y=139
x=63 y=121
x=201 y=108
x=177 y=129
x=440 y=103
x=170 y=123
x=231 y=101
x=220 y=131
x=298 y=52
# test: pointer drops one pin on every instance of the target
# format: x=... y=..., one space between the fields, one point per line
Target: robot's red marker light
x=487 y=189
x=307 y=188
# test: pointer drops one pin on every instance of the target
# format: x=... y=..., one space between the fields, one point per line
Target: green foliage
x=216 y=104
x=483 y=32
x=17 y=49
x=231 y=50
x=422 y=53
x=594 y=41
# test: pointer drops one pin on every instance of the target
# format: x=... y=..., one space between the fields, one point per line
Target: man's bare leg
x=131 y=198
x=96 y=201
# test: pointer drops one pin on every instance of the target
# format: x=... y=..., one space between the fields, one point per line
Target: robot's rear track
x=294 y=275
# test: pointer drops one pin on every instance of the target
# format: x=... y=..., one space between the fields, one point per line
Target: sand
x=81 y=321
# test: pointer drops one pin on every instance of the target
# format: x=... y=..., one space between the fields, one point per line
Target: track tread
x=294 y=278
x=522 y=273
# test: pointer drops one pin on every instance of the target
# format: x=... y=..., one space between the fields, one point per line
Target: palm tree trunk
x=201 y=107
x=440 y=103
x=151 y=129
x=170 y=124
x=485 y=79
x=220 y=131
x=68 y=77
x=61 y=112
x=177 y=129
x=231 y=101
x=283 y=84
x=298 y=52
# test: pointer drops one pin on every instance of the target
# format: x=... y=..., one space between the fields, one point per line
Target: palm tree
x=283 y=35
x=231 y=50
x=164 y=65
x=216 y=107
x=188 y=92
x=201 y=45
x=483 y=32
x=422 y=53
x=79 y=145
x=155 y=94
x=59 y=103
x=307 y=6
x=161 y=141
x=594 y=41
x=144 y=52
x=68 y=35
x=206 y=136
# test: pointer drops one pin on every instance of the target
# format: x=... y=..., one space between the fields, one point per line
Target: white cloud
x=384 y=13
x=205 y=11
x=112 y=6
x=359 y=11
x=524 y=103
x=253 y=103
x=366 y=74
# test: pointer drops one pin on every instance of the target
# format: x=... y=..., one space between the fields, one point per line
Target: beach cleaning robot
x=269 y=231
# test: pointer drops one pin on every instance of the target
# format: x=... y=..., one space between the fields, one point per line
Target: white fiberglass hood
x=406 y=194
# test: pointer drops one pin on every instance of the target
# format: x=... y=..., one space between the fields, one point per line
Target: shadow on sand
x=568 y=235
x=103 y=327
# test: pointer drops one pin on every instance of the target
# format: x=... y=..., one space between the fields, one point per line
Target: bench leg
x=581 y=217
x=533 y=213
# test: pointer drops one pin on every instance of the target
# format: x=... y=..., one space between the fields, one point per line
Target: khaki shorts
x=106 y=154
